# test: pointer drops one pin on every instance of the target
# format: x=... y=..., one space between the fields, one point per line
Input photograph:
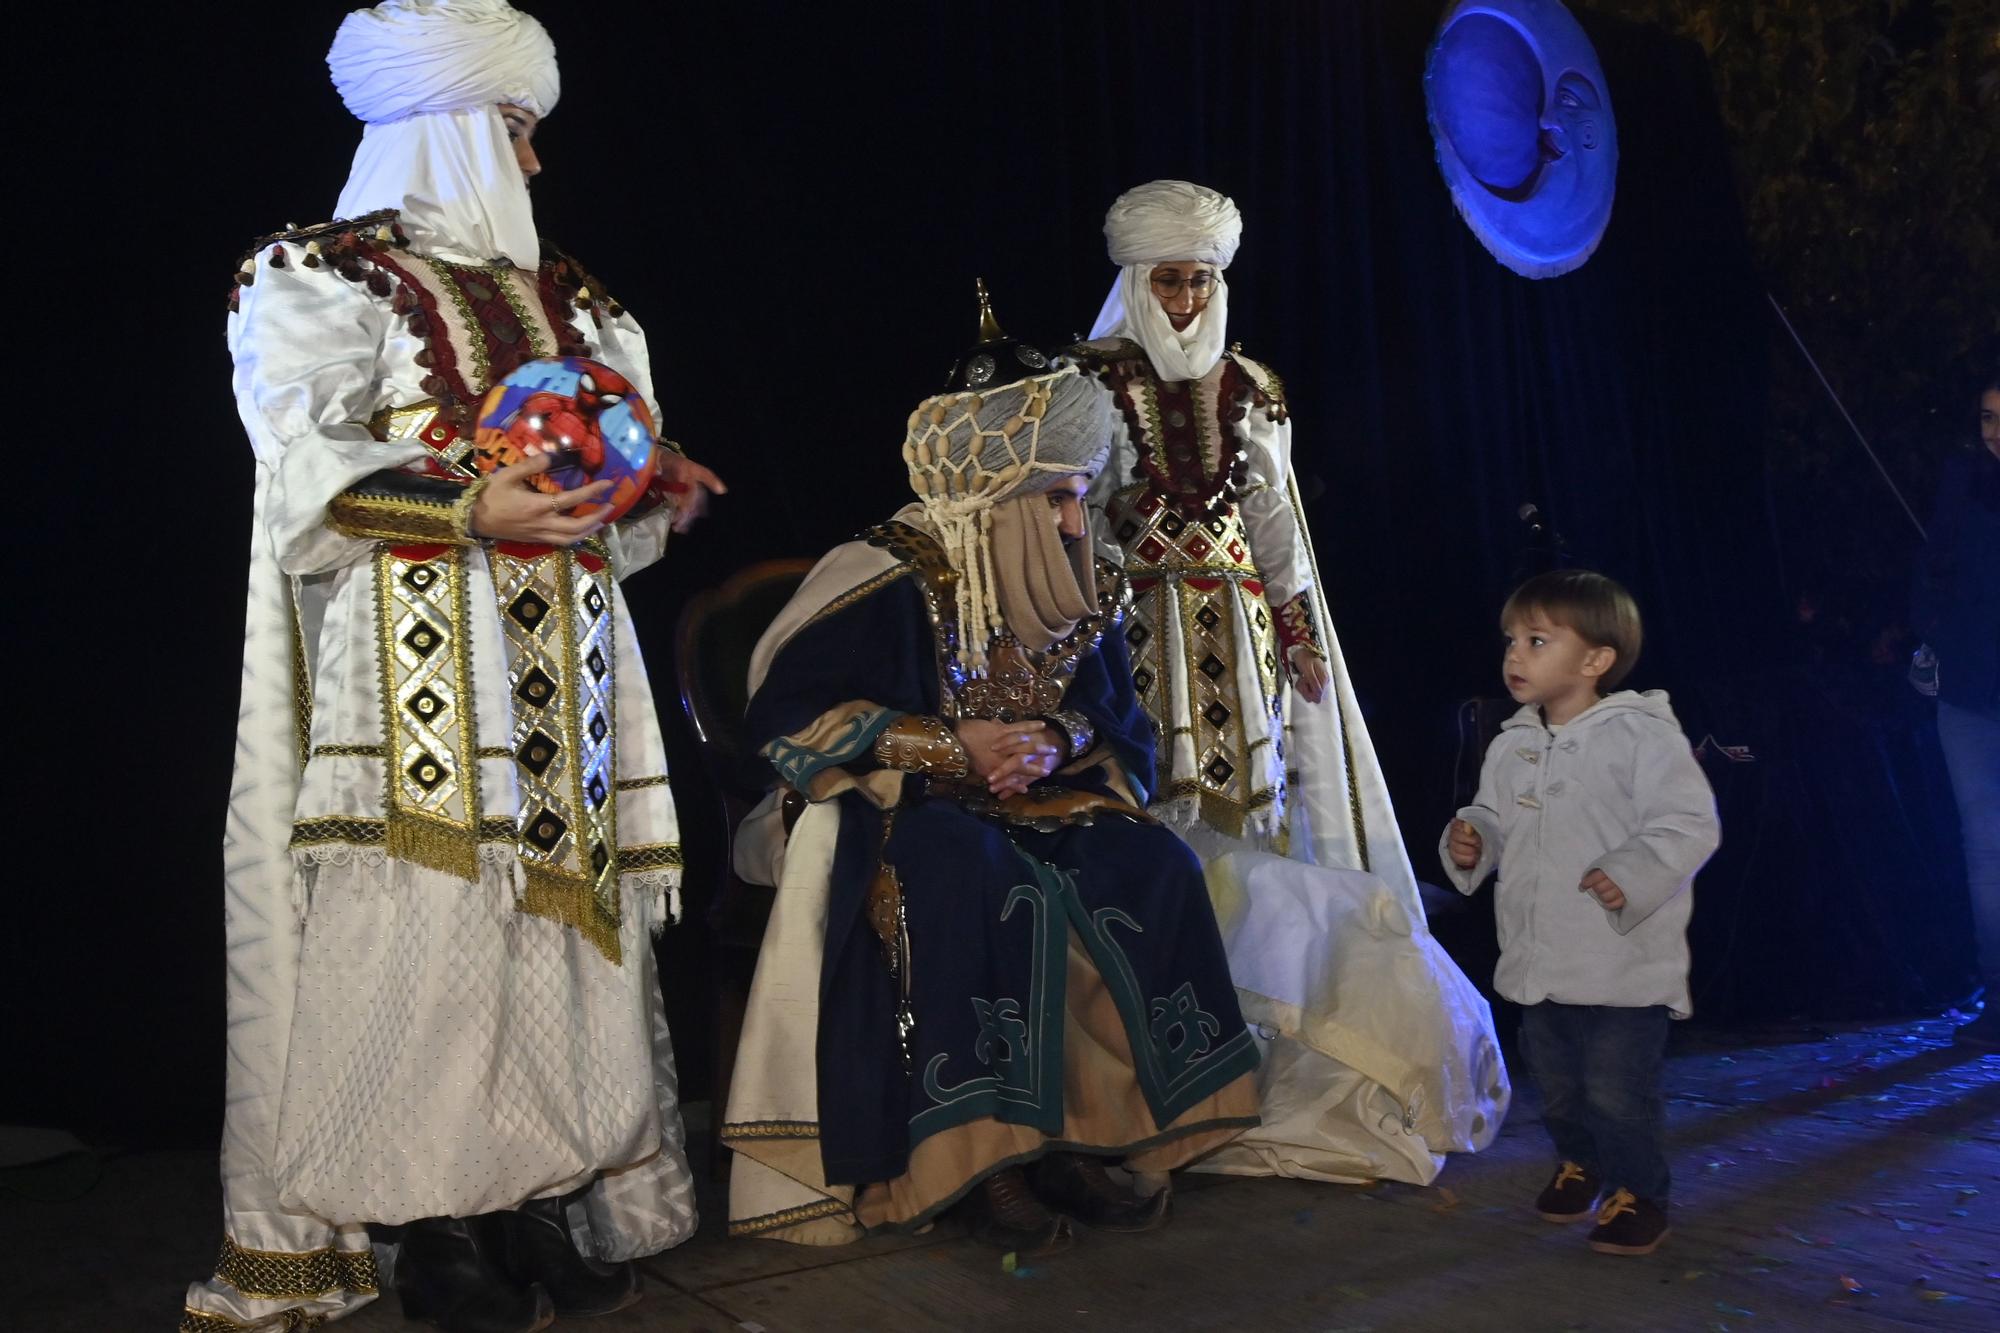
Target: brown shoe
x=1076 y=1184
x=1005 y=1213
x=1569 y=1196
x=1627 y=1224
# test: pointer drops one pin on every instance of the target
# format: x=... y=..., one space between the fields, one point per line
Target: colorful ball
x=587 y=414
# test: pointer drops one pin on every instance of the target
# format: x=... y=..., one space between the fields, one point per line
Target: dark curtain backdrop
x=796 y=200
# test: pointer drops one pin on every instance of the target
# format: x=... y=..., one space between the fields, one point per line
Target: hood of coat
x=1652 y=703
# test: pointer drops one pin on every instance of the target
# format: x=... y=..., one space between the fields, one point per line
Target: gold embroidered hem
x=275 y=1275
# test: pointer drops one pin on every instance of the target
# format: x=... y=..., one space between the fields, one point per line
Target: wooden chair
x=718 y=630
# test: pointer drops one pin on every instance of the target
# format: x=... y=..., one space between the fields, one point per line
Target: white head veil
x=428 y=77
x=1152 y=224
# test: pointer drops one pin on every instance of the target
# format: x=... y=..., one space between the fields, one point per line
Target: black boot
x=540 y=1250
x=1076 y=1184
x=451 y=1273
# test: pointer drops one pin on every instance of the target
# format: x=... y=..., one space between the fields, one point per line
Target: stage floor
x=1823 y=1179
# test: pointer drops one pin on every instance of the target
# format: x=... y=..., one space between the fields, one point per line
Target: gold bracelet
x=917 y=744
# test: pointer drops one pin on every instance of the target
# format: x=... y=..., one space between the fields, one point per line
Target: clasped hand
x=1009 y=756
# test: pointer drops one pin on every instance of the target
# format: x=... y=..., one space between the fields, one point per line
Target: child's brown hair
x=1597 y=608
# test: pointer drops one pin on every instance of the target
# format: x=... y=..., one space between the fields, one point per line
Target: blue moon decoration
x=1525 y=136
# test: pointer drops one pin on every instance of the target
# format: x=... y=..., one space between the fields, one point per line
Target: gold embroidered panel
x=432 y=773
x=556 y=612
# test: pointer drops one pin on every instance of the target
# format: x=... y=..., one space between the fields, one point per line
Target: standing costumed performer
x=1381 y=1054
x=450 y=837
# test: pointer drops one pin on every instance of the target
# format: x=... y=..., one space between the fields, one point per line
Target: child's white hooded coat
x=1616 y=789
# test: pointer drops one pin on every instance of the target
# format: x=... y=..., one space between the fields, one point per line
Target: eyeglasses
x=1201 y=285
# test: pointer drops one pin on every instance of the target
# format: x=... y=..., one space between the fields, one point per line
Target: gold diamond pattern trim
x=556 y=612
x=431 y=779
x=278 y=1275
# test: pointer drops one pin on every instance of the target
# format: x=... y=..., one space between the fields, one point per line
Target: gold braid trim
x=368 y=831
x=201 y=1321
x=650 y=856
x=769 y=1129
x=400 y=518
x=914 y=743
x=279 y=1275
x=790 y=1217
x=636 y=784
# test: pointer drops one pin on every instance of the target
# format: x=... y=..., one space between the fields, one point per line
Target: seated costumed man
x=1380 y=1054
x=450 y=836
x=982 y=953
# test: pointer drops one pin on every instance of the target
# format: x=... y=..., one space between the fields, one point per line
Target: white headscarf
x=428 y=78
x=1153 y=224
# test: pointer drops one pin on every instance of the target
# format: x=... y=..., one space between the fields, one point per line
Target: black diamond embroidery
x=529 y=610
x=1217 y=715
x=1142 y=680
x=536 y=688
x=596 y=664
x=423 y=638
x=420 y=577
x=1220 y=770
x=427 y=772
x=1138 y=634
x=1173 y=525
x=596 y=792
x=1208 y=617
x=427 y=706
x=599 y=858
x=1213 y=667
x=593 y=602
x=1127 y=531
x=536 y=753
x=545 y=830
x=598 y=727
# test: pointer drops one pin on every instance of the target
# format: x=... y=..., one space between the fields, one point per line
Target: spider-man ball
x=587 y=414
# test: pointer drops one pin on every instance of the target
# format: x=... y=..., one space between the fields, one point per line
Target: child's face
x=1547 y=663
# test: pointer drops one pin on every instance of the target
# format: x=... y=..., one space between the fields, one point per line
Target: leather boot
x=1076 y=1184
x=1004 y=1212
x=540 y=1249
x=451 y=1272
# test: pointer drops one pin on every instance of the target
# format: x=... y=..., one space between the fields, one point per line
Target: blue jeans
x=1598 y=1068
x=1971 y=742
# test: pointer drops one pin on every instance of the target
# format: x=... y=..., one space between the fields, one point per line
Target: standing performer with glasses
x=1382 y=1055
x=450 y=837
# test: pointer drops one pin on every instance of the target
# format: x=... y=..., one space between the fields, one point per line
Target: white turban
x=428 y=78
x=1154 y=224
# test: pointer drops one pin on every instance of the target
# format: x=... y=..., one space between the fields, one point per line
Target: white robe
x=405 y=1043
x=1379 y=1054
